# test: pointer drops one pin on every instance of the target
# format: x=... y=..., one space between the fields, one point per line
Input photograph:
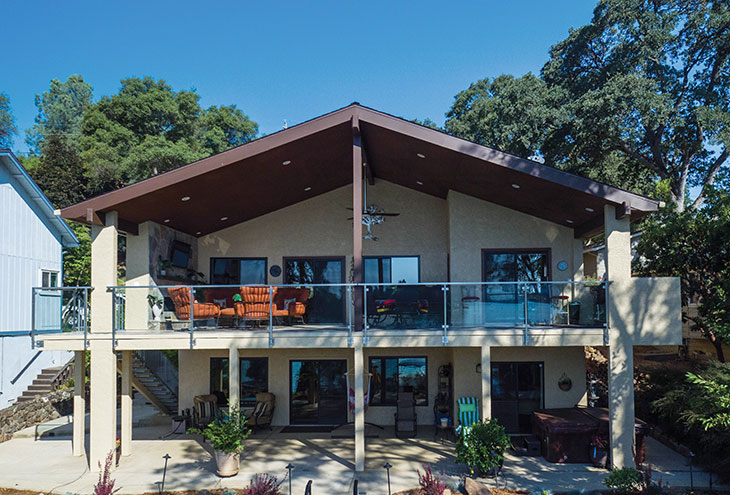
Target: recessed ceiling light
x=307 y=188
x=167 y=220
x=186 y=198
x=286 y=162
x=198 y=233
x=223 y=219
x=516 y=186
x=589 y=210
x=569 y=221
x=419 y=182
x=420 y=155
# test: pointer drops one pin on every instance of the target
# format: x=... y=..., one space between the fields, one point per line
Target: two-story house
x=358 y=256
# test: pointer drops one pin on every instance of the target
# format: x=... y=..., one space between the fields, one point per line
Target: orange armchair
x=201 y=311
x=255 y=303
x=297 y=302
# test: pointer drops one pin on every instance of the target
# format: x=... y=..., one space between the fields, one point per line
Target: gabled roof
x=315 y=157
x=43 y=206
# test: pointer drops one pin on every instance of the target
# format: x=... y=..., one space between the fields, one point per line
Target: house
x=398 y=258
x=32 y=239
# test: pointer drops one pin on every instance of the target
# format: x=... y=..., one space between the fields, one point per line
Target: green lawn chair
x=468 y=413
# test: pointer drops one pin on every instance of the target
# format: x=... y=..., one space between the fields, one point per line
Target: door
x=326 y=304
x=517 y=391
x=318 y=392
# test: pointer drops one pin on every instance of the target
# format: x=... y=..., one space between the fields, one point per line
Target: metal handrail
x=81 y=315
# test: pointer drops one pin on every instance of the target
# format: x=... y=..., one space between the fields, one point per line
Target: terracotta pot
x=227 y=464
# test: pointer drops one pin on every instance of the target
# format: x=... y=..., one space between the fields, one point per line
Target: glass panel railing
x=60 y=309
x=405 y=306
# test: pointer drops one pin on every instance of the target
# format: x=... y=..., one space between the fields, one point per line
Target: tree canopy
x=640 y=94
x=7 y=122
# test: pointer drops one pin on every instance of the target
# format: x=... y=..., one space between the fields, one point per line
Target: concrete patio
x=39 y=458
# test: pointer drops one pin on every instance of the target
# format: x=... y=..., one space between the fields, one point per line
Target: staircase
x=150 y=383
x=42 y=385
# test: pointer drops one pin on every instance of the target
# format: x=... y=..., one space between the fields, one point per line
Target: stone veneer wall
x=161 y=239
x=33 y=412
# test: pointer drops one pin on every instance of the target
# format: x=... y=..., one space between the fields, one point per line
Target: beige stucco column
x=126 y=400
x=103 y=424
x=234 y=376
x=138 y=274
x=621 y=346
x=359 y=372
x=79 y=431
x=486 y=364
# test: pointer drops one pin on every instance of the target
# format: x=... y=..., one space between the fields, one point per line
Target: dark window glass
x=393 y=375
x=234 y=271
x=254 y=379
x=512 y=267
x=326 y=304
x=392 y=269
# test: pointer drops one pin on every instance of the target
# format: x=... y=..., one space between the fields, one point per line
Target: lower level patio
x=39 y=458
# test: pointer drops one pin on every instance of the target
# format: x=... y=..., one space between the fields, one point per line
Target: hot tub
x=565 y=434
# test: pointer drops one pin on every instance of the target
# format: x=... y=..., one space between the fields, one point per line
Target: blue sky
x=281 y=60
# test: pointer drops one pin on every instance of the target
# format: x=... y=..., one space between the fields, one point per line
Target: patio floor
x=325 y=458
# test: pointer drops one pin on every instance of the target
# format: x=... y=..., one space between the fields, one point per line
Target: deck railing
x=60 y=309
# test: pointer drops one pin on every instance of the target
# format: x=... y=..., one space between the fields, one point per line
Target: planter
x=156 y=313
x=227 y=464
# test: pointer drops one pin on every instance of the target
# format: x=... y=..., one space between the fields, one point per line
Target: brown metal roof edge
x=535 y=169
x=79 y=211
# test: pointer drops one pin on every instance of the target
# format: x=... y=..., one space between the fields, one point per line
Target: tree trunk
x=718 y=348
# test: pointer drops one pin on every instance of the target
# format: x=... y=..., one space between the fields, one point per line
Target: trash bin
x=575 y=312
x=470 y=309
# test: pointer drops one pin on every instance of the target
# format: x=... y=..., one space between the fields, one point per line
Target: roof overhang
x=315 y=157
x=33 y=193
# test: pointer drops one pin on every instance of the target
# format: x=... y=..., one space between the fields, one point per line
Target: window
x=326 y=304
x=49 y=278
x=513 y=266
x=391 y=375
x=234 y=271
x=392 y=269
x=254 y=379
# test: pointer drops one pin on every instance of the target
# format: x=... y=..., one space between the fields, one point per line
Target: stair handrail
x=63 y=374
x=160 y=366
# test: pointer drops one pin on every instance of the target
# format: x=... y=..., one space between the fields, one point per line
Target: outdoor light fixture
x=198 y=233
x=186 y=198
x=223 y=219
x=308 y=188
x=589 y=210
x=516 y=186
x=420 y=155
x=419 y=182
x=167 y=220
x=569 y=221
x=479 y=368
x=286 y=162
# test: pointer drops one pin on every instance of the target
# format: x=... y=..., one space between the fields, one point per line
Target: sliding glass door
x=326 y=304
x=517 y=391
x=318 y=392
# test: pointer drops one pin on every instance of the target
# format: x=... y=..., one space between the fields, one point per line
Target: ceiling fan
x=372 y=215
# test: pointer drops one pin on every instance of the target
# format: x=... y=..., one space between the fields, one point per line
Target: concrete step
x=39 y=388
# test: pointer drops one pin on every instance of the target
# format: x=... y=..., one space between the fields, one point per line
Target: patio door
x=517 y=391
x=318 y=392
x=326 y=304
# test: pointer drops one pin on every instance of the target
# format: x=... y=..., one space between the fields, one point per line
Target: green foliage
x=482 y=447
x=60 y=111
x=695 y=246
x=60 y=172
x=714 y=393
x=638 y=95
x=77 y=261
x=7 y=122
x=226 y=433
x=625 y=481
x=148 y=128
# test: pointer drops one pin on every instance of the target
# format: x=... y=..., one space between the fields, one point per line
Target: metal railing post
x=365 y=325
x=32 y=322
x=271 y=316
x=114 y=318
x=86 y=317
x=445 y=326
x=525 y=334
x=192 y=316
x=350 y=303
x=606 y=322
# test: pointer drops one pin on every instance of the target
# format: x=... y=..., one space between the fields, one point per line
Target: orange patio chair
x=201 y=311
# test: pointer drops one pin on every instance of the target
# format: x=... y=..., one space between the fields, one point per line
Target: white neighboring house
x=32 y=239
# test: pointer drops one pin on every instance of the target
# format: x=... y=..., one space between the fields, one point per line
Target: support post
x=79 y=431
x=126 y=434
x=486 y=382
x=103 y=423
x=234 y=376
x=359 y=364
x=621 y=346
x=357 y=208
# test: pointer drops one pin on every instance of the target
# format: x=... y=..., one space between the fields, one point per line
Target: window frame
x=50 y=273
x=242 y=401
x=398 y=358
x=546 y=251
x=384 y=256
x=240 y=258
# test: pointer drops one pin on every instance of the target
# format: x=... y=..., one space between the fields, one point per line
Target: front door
x=517 y=391
x=318 y=392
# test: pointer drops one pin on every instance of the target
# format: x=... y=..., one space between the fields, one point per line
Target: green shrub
x=482 y=447
x=625 y=481
x=226 y=433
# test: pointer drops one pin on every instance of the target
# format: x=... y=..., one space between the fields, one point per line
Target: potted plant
x=163 y=265
x=156 y=303
x=481 y=447
x=226 y=434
